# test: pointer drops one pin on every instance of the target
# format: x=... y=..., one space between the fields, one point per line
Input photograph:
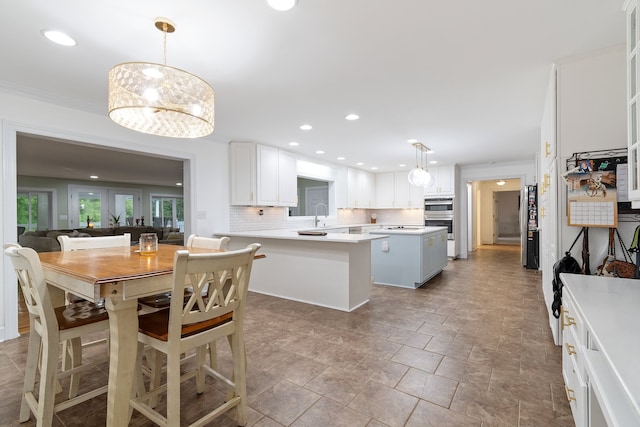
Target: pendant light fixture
x=419 y=175
x=160 y=100
x=282 y=5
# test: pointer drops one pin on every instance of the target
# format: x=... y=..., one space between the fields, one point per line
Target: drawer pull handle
x=570 y=393
x=570 y=321
x=571 y=349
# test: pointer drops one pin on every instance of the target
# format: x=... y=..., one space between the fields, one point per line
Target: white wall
x=206 y=179
x=591 y=116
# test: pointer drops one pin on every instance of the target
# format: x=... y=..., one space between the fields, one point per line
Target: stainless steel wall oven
x=439 y=212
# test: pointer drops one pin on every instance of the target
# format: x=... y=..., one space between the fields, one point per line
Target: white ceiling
x=466 y=78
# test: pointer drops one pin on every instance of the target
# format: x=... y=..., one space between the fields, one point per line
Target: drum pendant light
x=160 y=100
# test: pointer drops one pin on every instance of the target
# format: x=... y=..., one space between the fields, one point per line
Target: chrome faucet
x=326 y=213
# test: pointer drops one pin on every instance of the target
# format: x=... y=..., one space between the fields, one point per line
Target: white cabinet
x=385 y=192
x=442 y=182
x=393 y=190
x=242 y=168
x=548 y=201
x=573 y=351
x=599 y=350
x=360 y=189
x=262 y=176
x=633 y=97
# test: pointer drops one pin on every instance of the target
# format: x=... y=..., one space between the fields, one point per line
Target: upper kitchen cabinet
x=633 y=143
x=262 y=176
x=393 y=190
x=443 y=182
x=360 y=189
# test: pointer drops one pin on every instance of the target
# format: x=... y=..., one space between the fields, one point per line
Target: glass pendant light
x=160 y=100
x=420 y=176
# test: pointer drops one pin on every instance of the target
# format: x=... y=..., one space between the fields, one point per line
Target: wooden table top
x=108 y=265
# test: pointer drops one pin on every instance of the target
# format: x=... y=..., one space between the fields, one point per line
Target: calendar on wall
x=593 y=188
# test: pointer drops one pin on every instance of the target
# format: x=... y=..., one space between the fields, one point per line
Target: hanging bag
x=613 y=267
x=566 y=264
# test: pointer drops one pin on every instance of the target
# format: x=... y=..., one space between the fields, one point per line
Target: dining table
x=119 y=277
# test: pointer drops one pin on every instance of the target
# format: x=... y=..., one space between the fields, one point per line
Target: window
x=101 y=204
x=311 y=194
x=89 y=209
x=167 y=211
x=35 y=209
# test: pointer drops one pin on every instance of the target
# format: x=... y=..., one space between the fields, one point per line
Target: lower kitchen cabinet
x=408 y=257
x=600 y=347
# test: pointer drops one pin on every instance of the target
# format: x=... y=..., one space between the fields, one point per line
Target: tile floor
x=470 y=348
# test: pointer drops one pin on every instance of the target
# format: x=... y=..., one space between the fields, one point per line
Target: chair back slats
x=78 y=243
x=225 y=276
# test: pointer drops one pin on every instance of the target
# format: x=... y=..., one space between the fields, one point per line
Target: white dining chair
x=193 y=325
x=82 y=243
x=162 y=301
x=195 y=241
x=78 y=243
x=48 y=328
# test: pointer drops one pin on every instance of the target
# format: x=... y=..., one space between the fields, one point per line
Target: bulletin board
x=596 y=185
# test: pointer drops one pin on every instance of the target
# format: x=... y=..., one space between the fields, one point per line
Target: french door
x=102 y=207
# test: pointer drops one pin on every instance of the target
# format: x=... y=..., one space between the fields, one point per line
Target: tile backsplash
x=249 y=218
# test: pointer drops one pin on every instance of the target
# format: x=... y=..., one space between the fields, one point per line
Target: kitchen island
x=408 y=256
x=331 y=270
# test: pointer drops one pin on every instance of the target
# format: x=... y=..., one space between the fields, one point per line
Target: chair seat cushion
x=79 y=314
x=156 y=324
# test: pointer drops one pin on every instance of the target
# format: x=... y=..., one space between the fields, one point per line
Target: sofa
x=47 y=240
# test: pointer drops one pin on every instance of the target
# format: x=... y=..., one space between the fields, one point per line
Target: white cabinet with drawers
x=600 y=347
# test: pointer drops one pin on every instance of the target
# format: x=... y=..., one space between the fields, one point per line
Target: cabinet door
x=243 y=173
x=287 y=179
x=633 y=98
x=360 y=189
x=442 y=182
x=368 y=187
x=267 y=175
x=446 y=178
x=385 y=190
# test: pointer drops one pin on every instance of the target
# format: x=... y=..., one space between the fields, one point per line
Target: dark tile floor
x=470 y=348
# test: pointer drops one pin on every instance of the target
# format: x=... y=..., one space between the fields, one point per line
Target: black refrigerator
x=532 y=257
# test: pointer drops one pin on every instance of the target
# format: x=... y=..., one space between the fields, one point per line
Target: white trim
x=8 y=193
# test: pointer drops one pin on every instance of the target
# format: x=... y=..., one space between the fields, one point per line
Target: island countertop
x=288 y=234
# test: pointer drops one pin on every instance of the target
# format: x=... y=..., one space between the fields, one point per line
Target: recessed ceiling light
x=402 y=165
x=341 y=158
x=359 y=164
x=294 y=144
x=319 y=152
x=433 y=162
x=179 y=184
x=94 y=177
x=282 y=5
x=412 y=141
x=58 y=37
x=306 y=127
x=375 y=168
x=352 y=117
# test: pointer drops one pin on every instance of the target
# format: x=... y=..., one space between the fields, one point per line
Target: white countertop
x=610 y=308
x=288 y=234
x=408 y=229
